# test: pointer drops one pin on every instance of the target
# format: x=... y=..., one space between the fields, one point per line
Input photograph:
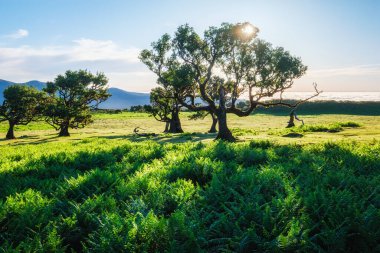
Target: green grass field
x=254 y=127
x=314 y=188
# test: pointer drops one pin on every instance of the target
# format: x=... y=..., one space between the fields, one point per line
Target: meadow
x=255 y=127
x=313 y=188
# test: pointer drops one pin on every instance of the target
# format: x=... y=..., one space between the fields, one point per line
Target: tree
x=21 y=105
x=228 y=62
x=162 y=109
x=73 y=95
x=173 y=77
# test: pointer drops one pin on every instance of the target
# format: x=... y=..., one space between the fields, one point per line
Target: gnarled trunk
x=175 y=122
x=291 y=120
x=64 y=130
x=224 y=133
x=10 y=134
x=214 y=122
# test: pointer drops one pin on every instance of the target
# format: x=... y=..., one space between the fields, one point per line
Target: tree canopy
x=225 y=64
x=73 y=95
x=21 y=105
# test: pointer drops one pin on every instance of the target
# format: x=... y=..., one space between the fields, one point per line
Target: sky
x=339 y=40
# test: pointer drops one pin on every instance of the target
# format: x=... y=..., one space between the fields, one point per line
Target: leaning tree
x=73 y=95
x=22 y=104
x=228 y=63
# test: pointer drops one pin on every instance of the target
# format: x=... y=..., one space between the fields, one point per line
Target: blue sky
x=339 y=40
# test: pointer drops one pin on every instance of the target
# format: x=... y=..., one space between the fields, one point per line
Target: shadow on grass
x=162 y=138
x=31 y=139
x=254 y=192
x=293 y=135
x=159 y=138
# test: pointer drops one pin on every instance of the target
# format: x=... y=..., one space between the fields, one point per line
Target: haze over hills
x=120 y=99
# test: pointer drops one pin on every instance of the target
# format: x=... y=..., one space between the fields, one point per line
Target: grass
x=254 y=127
x=302 y=129
x=105 y=190
x=349 y=124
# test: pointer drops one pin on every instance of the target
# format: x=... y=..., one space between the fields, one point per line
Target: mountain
x=120 y=99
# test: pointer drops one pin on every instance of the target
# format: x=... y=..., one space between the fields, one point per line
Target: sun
x=248 y=30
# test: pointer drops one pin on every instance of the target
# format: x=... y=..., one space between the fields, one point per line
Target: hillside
x=120 y=99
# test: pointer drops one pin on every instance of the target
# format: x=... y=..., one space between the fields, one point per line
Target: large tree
x=73 y=95
x=21 y=105
x=228 y=62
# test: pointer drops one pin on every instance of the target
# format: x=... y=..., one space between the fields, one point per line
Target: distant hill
x=120 y=99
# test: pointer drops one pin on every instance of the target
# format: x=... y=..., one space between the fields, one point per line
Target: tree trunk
x=224 y=133
x=291 y=120
x=167 y=124
x=10 y=133
x=214 y=122
x=175 y=123
x=64 y=130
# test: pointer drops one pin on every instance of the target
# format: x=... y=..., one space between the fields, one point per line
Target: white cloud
x=120 y=64
x=20 y=33
x=80 y=50
x=24 y=52
x=98 y=50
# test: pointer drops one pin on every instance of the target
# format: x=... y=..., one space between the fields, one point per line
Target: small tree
x=73 y=96
x=161 y=102
x=21 y=105
x=173 y=78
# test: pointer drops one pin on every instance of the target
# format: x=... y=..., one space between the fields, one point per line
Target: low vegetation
x=111 y=195
x=106 y=189
x=329 y=128
x=328 y=107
